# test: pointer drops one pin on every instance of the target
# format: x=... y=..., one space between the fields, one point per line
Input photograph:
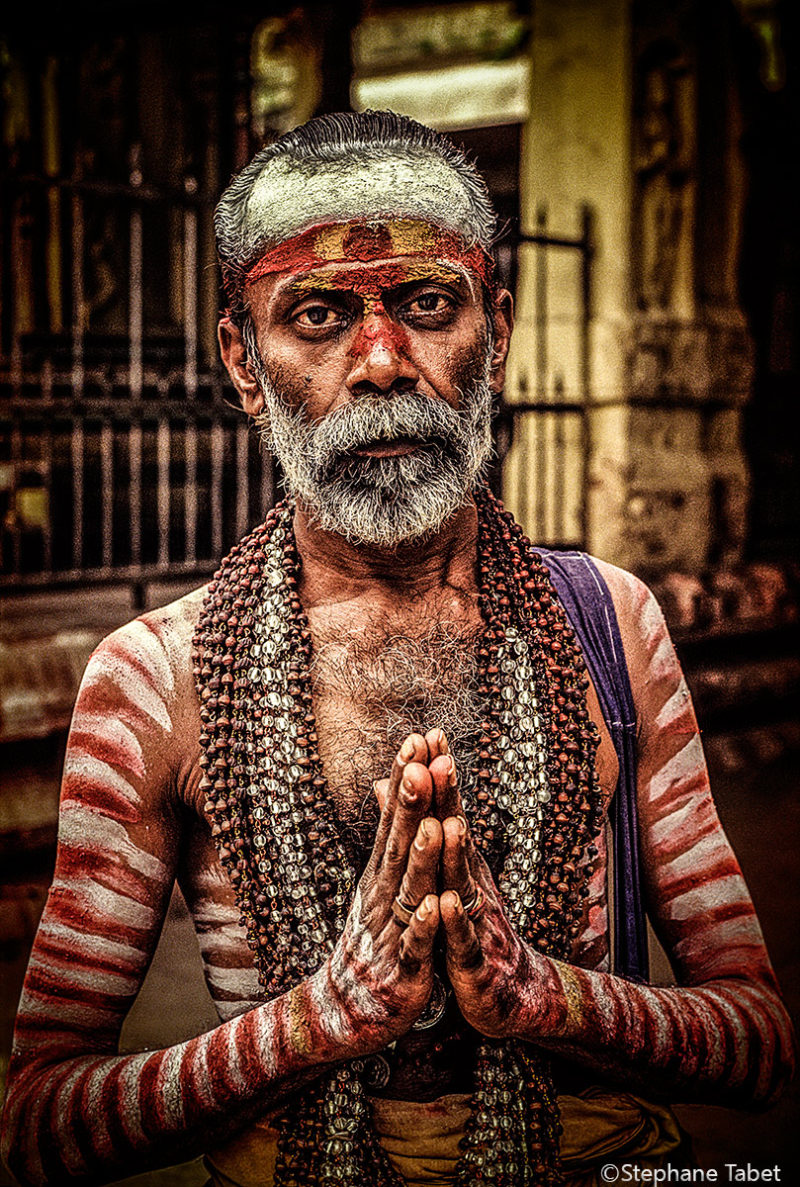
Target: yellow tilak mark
x=387 y=274
x=407 y=237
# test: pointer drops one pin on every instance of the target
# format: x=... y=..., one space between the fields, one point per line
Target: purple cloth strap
x=587 y=601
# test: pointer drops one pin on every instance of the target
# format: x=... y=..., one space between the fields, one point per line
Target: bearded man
x=373 y=756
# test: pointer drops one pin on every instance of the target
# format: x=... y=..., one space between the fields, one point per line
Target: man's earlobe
x=234 y=356
x=503 y=316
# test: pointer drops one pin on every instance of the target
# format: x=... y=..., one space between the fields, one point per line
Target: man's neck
x=334 y=571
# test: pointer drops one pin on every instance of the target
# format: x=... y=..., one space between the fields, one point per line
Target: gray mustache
x=370 y=419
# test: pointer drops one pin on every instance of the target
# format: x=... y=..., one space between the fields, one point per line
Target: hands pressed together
x=424 y=874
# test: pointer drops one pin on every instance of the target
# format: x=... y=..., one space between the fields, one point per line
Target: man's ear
x=503 y=321
x=234 y=356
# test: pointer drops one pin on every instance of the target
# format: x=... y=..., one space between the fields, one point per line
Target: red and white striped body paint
x=727 y=1029
x=74 y=1107
x=131 y=821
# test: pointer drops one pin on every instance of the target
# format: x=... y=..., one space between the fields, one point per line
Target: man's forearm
x=730 y=1038
x=94 y=1118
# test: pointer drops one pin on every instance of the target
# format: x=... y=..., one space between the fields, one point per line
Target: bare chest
x=370 y=691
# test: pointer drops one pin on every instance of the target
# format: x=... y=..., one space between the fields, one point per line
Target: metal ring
x=402 y=912
x=476 y=904
x=436 y=1005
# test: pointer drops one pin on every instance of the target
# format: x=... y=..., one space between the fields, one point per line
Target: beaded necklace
x=532 y=801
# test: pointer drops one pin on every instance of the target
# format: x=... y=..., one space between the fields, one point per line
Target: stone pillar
x=617 y=117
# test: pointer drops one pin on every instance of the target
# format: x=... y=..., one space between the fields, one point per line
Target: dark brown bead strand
x=279 y=841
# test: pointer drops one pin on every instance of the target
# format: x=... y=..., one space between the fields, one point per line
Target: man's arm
x=724 y=1033
x=77 y=1110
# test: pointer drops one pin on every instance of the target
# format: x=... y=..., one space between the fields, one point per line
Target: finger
x=456 y=870
x=416 y=942
x=436 y=740
x=463 y=947
x=444 y=776
x=413 y=803
x=381 y=790
x=445 y=780
x=423 y=862
x=413 y=749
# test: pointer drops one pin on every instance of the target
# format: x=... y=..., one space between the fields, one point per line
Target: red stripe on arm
x=722 y=1034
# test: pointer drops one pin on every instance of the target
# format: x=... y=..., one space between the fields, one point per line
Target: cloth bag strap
x=587 y=601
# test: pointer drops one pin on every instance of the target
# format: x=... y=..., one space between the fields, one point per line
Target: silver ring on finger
x=402 y=912
x=437 y=1004
x=475 y=906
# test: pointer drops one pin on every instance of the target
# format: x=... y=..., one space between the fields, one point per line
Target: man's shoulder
x=640 y=618
x=625 y=587
x=158 y=641
x=630 y=595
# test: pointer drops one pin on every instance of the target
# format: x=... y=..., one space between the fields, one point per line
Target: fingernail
x=408 y=790
x=451 y=774
x=444 y=745
x=407 y=750
x=462 y=825
x=423 y=909
x=423 y=828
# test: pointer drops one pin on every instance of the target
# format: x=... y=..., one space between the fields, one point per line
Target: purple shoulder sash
x=587 y=601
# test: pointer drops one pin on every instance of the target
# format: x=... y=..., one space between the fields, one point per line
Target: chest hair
x=371 y=689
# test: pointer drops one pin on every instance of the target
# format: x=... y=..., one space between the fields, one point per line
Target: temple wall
x=618 y=110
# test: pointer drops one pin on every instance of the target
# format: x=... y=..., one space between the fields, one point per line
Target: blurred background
x=642 y=156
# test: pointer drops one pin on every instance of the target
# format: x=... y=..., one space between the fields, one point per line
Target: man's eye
x=318 y=317
x=427 y=304
x=430 y=302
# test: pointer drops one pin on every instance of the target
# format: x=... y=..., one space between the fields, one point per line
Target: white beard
x=381 y=501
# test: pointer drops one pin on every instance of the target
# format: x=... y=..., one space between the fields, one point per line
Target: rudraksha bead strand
x=530 y=796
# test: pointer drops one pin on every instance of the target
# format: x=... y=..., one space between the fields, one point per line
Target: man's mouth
x=397 y=447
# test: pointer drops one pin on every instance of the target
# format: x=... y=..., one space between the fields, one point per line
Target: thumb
x=381 y=790
x=463 y=946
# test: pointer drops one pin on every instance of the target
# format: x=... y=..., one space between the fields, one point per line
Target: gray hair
x=359 y=165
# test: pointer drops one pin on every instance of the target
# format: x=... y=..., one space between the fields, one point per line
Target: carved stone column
x=631 y=114
x=689 y=367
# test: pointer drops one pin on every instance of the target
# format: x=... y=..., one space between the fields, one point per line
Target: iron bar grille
x=543 y=428
x=120 y=456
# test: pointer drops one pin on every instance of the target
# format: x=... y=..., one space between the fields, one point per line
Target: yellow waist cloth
x=421 y=1139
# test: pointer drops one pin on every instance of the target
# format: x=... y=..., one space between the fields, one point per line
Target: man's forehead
x=287 y=199
x=363 y=243
x=378 y=276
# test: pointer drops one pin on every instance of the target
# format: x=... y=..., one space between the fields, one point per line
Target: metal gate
x=543 y=436
x=120 y=456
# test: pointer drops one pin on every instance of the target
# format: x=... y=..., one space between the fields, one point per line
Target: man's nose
x=381 y=356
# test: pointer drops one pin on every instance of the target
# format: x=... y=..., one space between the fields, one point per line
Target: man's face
x=376 y=379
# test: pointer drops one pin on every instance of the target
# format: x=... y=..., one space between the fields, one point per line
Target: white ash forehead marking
x=287 y=199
